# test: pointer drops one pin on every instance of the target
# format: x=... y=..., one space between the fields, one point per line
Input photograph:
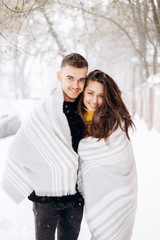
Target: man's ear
x=59 y=76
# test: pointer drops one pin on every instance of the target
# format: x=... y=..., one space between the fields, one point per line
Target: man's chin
x=73 y=98
x=70 y=98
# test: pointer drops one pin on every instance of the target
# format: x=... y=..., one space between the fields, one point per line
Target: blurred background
x=119 y=37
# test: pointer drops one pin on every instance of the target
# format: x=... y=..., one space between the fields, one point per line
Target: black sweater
x=74 y=121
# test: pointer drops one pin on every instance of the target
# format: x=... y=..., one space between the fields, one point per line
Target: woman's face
x=93 y=95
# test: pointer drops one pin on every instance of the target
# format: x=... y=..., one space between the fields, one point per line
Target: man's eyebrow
x=70 y=76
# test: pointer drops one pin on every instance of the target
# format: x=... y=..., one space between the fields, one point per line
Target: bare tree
x=131 y=28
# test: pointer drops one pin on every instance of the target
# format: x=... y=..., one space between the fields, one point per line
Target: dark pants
x=65 y=216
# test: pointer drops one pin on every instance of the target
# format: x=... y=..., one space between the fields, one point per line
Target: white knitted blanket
x=41 y=156
x=108 y=182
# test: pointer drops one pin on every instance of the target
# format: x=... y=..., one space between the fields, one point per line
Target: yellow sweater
x=88 y=116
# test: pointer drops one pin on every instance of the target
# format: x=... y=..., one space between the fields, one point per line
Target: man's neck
x=67 y=98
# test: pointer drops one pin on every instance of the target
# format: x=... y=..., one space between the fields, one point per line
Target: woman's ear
x=59 y=76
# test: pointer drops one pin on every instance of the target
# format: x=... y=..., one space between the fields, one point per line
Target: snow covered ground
x=17 y=223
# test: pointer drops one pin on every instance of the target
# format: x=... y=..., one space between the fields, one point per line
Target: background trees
x=118 y=36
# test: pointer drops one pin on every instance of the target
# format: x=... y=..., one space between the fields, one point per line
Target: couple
x=76 y=143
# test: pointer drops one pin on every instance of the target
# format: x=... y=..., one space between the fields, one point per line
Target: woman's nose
x=95 y=99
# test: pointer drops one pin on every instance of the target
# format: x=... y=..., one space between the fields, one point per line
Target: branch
x=24 y=11
x=55 y=36
x=84 y=18
x=111 y=20
x=16 y=46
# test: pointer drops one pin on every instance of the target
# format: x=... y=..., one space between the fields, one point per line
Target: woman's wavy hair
x=111 y=114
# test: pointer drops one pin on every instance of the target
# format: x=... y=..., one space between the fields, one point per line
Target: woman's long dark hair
x=111 y=114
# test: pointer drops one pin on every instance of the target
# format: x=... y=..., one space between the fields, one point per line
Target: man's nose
x=75 y=84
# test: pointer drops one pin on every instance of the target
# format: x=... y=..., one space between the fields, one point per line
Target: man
x=42 y=160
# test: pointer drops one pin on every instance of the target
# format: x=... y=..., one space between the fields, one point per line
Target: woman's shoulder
x=90 y=144
x=92 y=140
x=116 y=137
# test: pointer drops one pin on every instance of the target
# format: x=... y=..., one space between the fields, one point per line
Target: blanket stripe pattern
x=41 y=156
x=108 y=182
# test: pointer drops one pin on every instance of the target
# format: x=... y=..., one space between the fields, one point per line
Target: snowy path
x=146 y=147
x=17 y=223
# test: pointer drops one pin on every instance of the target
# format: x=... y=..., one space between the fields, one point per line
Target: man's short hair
x=74 y=60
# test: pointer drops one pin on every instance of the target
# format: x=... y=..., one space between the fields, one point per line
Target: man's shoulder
x=53 y=93
x=56 y=91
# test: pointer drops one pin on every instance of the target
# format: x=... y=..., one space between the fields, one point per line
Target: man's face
x=72 y=81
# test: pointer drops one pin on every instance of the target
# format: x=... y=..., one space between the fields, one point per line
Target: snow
x=17 y=222
x=153 y=79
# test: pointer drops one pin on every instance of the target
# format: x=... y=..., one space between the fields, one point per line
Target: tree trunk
x=156 y=19
x=62 y=50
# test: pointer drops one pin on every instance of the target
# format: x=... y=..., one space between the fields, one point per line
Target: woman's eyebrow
x=94 y=91
x=90 y=90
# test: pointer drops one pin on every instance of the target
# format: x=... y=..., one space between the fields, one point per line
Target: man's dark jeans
x=66 y=216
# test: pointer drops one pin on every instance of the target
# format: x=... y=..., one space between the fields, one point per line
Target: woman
x=107 y=177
